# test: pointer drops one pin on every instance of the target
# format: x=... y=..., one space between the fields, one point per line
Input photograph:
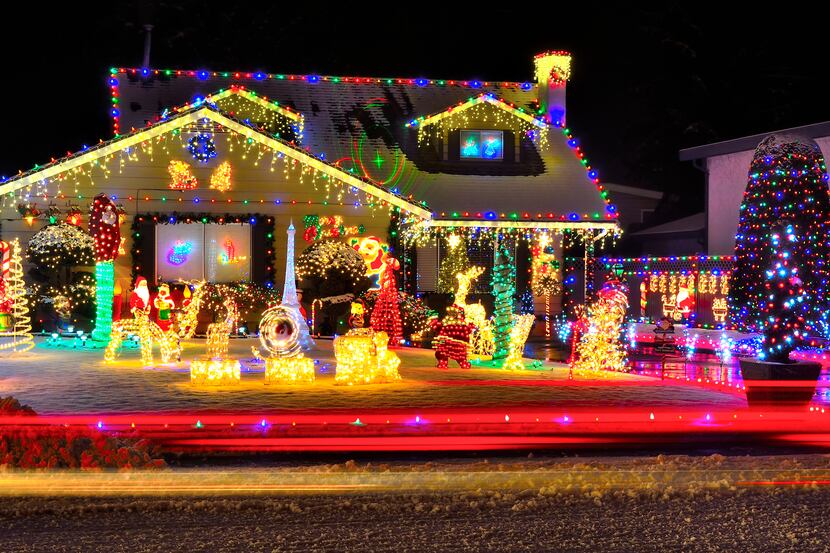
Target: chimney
x=552 y=70
x=148 y=38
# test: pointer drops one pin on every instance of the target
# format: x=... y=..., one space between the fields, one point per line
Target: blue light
x=526 y=86
x=259 y=75
x=475 y=84
x=313 y=79
x=202 y=75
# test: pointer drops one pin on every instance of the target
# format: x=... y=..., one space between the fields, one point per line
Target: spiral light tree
x=105 y=230
x=20 y=330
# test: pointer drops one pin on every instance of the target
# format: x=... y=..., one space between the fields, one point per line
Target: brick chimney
x=552 y=70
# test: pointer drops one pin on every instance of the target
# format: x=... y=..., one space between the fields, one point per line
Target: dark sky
x=645 y=81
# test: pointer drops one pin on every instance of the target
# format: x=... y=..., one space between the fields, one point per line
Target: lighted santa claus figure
x=140 y=296
x=452 y=340
x=164 y=305
x=684 y=303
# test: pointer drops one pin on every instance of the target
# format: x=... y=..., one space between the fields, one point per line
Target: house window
x=482 y=145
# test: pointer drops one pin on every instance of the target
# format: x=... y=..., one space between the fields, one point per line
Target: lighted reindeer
x=150 y=333
x=481 y=341
x=218 y=334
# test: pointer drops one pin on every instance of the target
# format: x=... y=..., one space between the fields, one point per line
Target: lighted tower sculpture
x=289 y=290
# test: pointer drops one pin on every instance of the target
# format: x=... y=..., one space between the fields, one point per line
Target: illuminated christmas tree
x=504 y=287
x=788 y=183
x=785 y=304
x=455 y=262
x=386 y=315
x=600 y=347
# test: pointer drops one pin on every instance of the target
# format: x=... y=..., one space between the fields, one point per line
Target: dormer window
x=481 y=145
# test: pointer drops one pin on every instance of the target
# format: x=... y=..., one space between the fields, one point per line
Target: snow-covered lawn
x=67 y=380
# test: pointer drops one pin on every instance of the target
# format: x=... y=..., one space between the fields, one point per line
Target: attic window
x=482 y=145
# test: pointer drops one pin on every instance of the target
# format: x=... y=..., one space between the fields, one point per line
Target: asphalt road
x=768 y=519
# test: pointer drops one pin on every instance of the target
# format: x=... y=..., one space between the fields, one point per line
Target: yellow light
x=600 y=347
x=518 y=336
x=482 y=342
x=221 y=178
x=289 y=370
x=21 y=330
x=218 y=334
x=363 y=358
x=148 y=333
x=214 y=372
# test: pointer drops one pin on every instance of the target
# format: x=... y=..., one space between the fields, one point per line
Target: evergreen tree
x=386 y=315
x=785 y=304
x=504 y=287
x=787 y=182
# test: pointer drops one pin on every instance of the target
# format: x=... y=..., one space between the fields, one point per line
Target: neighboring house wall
x=727 y=178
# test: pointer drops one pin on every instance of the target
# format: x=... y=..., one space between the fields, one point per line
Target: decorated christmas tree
x=784 y=307
x=788 y=183
x=504 y=287
x=600 y=347
x=386 y=315
x=456 y=261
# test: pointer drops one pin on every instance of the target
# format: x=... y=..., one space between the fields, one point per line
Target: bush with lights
x=788 y=183
x=55 y=253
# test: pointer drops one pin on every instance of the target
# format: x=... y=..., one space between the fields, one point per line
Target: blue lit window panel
x=492 y=145
x=470 y=144
x=482 y=144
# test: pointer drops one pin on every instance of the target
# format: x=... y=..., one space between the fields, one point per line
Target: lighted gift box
x=214 y=372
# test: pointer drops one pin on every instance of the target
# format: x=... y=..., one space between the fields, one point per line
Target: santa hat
x=139 y=281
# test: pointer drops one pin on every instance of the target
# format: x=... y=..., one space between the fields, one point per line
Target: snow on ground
x=67 y=380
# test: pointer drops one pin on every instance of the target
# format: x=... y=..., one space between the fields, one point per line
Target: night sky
x=645 y=81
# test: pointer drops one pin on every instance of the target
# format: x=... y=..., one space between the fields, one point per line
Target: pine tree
x=455 y=262
x=504 y=287
x=787 y=182
x=386 y=315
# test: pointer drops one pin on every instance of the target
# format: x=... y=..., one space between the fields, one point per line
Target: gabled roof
x=745 y=143
x=474 y=101
x=194 y=114
x=359 y=125
x=692 y=223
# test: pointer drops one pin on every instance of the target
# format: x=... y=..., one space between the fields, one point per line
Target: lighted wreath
x=202 y=147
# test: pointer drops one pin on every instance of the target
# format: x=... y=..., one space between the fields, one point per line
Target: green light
x=104 y=288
